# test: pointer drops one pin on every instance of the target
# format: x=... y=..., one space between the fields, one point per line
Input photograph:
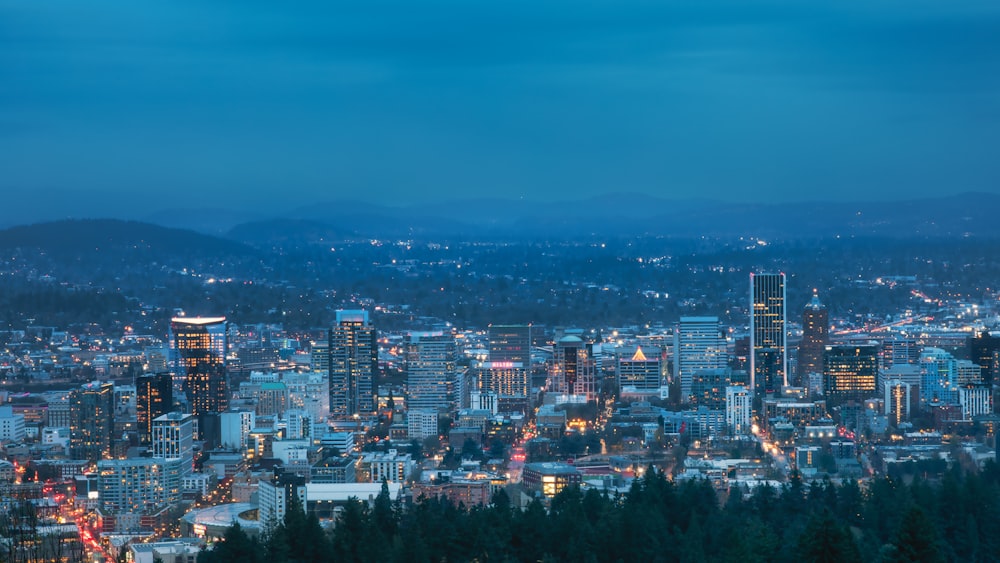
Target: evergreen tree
x=916 y=541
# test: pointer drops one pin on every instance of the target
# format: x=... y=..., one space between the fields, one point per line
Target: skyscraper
x=353 y=364
x=431 y=378
x=768 y=358
x=154 y=397
x=815 y=333
x=699 y=345
x=199 y=357
x=573 y=370
x=738 y=409
x=92 y=421
x=173 y=439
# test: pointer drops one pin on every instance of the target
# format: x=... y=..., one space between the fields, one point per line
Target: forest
x=956 y=518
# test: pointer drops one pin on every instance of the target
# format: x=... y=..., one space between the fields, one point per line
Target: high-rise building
x=431 y=376
x=504 y=378
x=850 y=373
x=942 y=375
x=738 y=409
x=815 y=333
x=173 y=440
x=92 y=421
x=984 y=349
x=699 y=345
x=154 y=397
x=198 y=348
x=353 y=364
x=573 y=370
x=768 y=333
x=640 y=370
x=510 y=343
x=137 y=486
x=900 y=400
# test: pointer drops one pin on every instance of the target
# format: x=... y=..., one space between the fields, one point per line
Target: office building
x=235 y=428
x=505 y=378
x=572 y=372
x=738 y=409
x=850 y=373
x=699 y=344
x=900 y=400
x=92 y=421
x=137 y=486
x=353 y=364
x=639 y=370
x=942 y=375
x=11 y=425
x=198 y=347
x=815 y=334
x=984 y=350
x=768 y=334
x=154 y=397
x=510 y=343
x=431 y=374
x=550 y=478
x=173 y=440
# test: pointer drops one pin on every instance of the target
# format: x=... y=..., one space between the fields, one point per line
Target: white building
x=298 y=424
x=738 y=409
x=56 y=437
x=421 y=424
x=235 y=428
x=391 y=466
x=11 y=425
x=975 y=400
x=173 y=439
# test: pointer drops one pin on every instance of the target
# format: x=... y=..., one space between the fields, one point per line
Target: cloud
x=235 y=101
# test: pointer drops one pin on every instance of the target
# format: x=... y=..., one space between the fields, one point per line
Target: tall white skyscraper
x=738 y=408
x=699 y=345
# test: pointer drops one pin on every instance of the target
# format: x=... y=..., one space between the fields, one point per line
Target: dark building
x=154 y=396
x=984 y=349
x=92 y=421
x=199 y=356
x=768 y=337
x=815 y=333
x=850 y=373
x=353 y=364
x=510 y=343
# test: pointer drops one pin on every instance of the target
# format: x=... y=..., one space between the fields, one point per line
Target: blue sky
x=271 y=105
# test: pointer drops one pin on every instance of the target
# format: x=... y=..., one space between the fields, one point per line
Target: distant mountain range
x=970 y=214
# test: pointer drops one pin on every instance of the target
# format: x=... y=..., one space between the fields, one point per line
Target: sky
x=117 y=105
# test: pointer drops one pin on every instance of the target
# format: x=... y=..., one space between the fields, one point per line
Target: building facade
x=198 y=350
x=768 y=333
x=353 y=364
